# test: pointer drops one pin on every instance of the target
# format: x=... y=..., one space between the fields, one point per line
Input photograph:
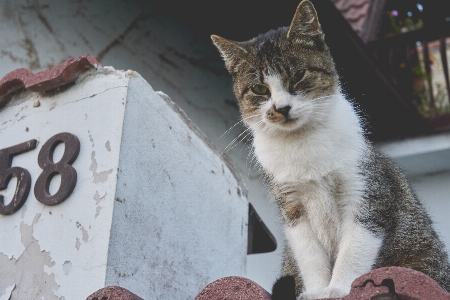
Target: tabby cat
x=346 y=208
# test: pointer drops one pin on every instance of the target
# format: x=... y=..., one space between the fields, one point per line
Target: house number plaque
x=49 y=170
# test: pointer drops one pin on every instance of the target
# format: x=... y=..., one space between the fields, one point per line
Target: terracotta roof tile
x=233 y=287
x=401 y=282
x=46 y=80
x=113 y=293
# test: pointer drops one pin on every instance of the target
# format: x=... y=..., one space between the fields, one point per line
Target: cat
x=346 y=209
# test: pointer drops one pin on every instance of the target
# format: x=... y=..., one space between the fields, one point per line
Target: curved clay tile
x=113 y=293
x=388 y=283
x=49 y=79
x=233 y=287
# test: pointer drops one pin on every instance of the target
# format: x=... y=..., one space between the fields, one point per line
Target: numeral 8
x=63 y=167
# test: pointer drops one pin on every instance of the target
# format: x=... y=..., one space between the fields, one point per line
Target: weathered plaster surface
x=28 y=270
x=180 y=218
x=6 y=293
x=180 y=210
x=60 y=252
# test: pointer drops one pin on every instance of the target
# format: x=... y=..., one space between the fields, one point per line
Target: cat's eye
x=260 y=89
x=298 y=76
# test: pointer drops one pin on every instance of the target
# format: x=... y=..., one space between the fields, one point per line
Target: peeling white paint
x=6 y=294
x=85 y=235
x=50 y=234
x=77 y=243
x=30 y=271
x=98 y=177
x=24 y=210
x=99 y=199
x=97 y=211
x=67 y=267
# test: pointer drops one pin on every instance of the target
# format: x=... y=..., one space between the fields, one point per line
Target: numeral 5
x=22 y=175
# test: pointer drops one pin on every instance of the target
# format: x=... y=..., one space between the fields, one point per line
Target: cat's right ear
x=232 y=52
x=305 y=21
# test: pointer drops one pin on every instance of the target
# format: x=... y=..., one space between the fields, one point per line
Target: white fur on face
x=279 y=96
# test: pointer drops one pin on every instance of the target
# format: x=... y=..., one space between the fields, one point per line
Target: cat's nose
x=283 y=110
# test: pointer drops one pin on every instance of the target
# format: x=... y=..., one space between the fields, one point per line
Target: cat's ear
x=232 y=52
x=305 y=21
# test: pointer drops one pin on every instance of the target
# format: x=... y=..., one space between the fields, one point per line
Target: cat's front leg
x=310 y=256
x=357 y=253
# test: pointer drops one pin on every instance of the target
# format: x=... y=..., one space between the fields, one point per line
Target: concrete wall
x=426 y=162
x=434 y=190
x=181 y=212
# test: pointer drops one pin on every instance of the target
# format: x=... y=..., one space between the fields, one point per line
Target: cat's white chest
x=335 y=145
x=289 y=158
x=310 y=166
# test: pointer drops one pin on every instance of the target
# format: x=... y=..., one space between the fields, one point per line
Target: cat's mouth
x=284 y=123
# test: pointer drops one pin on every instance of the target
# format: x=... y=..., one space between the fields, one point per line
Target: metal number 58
x=49 y=170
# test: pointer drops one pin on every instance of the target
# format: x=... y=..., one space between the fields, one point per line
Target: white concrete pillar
x=154 y=209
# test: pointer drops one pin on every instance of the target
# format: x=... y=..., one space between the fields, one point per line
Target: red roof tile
x=233 y=287
x=46 y=80
x=404 y=283
x=113 y=293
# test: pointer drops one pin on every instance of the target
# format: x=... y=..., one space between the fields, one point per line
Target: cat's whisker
x=230 y=129
x=240 y=121
x=256 y=115
x=242 y=139
x=324 y=97
x=227 y=148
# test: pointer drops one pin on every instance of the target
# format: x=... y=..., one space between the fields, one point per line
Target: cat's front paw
x=328 y=292
x=333 y=292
